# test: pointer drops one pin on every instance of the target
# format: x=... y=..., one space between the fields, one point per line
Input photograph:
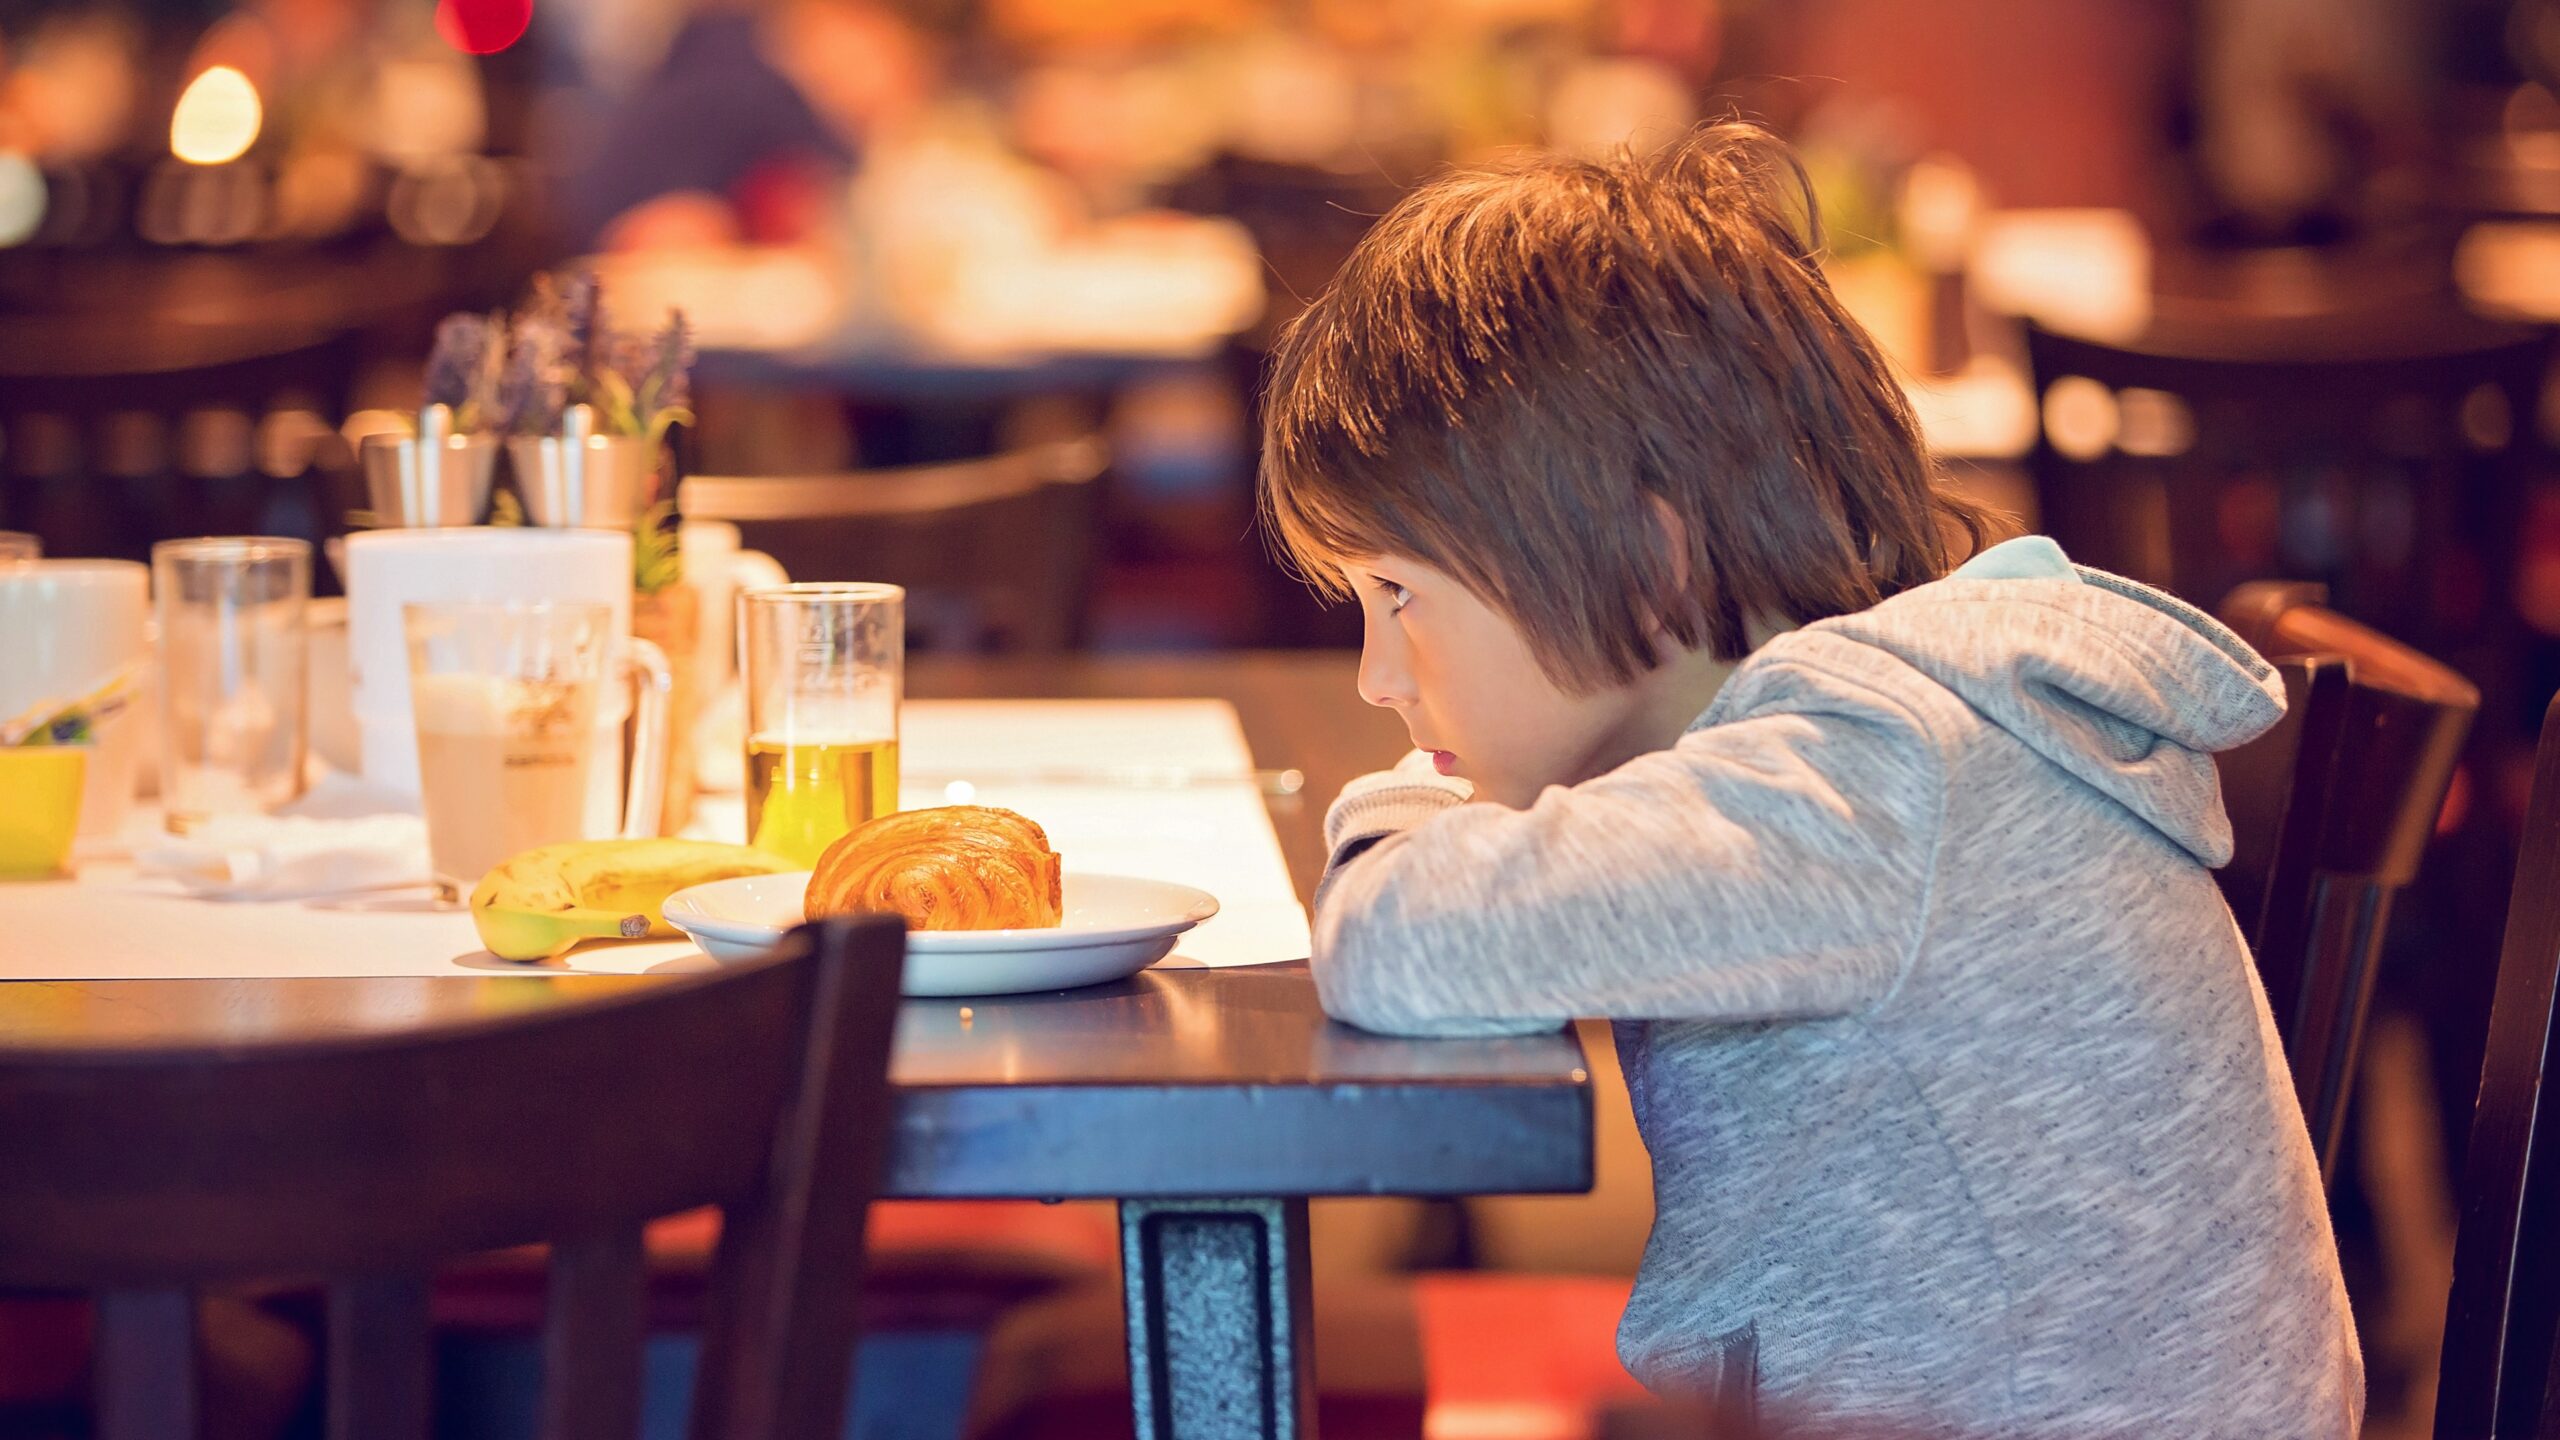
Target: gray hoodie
x=1966 y=1110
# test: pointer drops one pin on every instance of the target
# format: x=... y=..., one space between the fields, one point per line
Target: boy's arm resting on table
x=1389 y=802
x=1773 y=867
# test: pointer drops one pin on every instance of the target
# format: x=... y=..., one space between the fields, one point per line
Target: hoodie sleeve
x=1774 y=866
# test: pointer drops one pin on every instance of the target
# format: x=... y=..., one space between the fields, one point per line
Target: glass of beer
x=825 y=669
x=513 y=731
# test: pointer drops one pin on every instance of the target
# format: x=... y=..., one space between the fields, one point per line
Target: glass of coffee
x=513 y=747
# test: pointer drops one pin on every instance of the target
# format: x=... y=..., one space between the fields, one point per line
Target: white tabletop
x=1154 y=788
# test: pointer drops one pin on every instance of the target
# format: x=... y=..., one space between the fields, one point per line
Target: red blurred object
x=482 y=27
x=931 y=1265
x=1520 y=1357
x=782 y=201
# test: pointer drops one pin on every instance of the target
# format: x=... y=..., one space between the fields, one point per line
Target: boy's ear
x=1671 y=542
x=1671 y=535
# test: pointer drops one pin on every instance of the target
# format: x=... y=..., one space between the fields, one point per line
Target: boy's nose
x=1382 y=682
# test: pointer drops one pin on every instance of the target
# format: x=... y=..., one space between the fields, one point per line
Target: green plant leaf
x=661 y=421
x=613 y=404
x=656 y=559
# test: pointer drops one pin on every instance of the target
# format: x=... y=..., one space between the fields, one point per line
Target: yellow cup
x=39 y=808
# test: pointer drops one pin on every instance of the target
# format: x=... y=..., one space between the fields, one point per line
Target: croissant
x=962 y=867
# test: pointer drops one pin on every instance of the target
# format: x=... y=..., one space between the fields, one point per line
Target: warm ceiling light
x=217 y=118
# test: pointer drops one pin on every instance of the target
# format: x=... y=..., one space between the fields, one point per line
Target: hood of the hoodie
x=2128 y=690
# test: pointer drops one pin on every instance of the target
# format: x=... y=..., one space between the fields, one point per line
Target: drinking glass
x=825 y=669
x=19 y=545
x=506 y=697
x=232 y=673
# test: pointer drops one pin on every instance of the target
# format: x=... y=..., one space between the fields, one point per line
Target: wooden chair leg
x=378 y=1359
x=148 y=1386
x=592 y=1338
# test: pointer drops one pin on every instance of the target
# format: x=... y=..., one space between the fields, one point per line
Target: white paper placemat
x=110 y=924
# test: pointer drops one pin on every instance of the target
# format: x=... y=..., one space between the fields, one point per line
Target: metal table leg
x=1218 y=1316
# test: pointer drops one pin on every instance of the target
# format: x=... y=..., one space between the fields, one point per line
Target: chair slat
x=736 y=1378
x=591 y=1344
x=378 y=1359
x=147 y=1387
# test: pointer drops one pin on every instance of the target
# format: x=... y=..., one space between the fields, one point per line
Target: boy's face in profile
x=1464 y=680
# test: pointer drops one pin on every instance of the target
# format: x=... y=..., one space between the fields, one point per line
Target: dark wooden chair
x=997 y=555
x=2498 y=1379
x=145 y=1175
x=2326 y=835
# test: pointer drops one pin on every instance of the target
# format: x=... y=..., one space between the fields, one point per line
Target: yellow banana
x=544 y=901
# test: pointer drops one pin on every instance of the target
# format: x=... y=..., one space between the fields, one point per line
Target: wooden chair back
x=143 y=1175
x=2498 y=1379
x=997 y=555
x=2324 y=840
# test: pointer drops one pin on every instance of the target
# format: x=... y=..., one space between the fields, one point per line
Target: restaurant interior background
x=908 y=234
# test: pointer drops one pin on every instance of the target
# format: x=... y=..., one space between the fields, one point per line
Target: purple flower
x=455 y=364
x=535 y=388
x=579 y=301
x=672 y=376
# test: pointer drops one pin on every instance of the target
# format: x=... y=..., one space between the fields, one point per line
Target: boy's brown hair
x=1519 y=362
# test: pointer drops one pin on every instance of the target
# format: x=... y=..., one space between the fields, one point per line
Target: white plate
x=1115 y=926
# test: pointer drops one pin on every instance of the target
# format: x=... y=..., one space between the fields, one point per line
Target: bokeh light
x=217 y=118
x=482 y=27
x=22 y=197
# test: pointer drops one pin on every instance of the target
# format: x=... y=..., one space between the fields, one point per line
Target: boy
x=1966 y=1111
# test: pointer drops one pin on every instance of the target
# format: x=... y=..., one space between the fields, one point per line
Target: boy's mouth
x=1444 y=762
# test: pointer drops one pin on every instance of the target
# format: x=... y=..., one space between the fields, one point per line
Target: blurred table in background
x=1088 y=308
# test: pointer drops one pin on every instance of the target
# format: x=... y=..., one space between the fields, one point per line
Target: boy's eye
x=1397 y=596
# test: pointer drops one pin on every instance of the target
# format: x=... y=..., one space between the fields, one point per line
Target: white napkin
x=280 y=857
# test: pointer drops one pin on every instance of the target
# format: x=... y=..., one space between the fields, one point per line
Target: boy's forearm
x=1384 y=803
x=1372 y=811
x=1731 y=879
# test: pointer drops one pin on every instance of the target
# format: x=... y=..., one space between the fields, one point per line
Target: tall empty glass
x=507 y=696
x=825 y=669
x=232 y=673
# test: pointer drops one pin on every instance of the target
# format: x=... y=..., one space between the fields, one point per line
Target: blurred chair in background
x=996 y=554
x=105 y=461
x=2366 y=451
